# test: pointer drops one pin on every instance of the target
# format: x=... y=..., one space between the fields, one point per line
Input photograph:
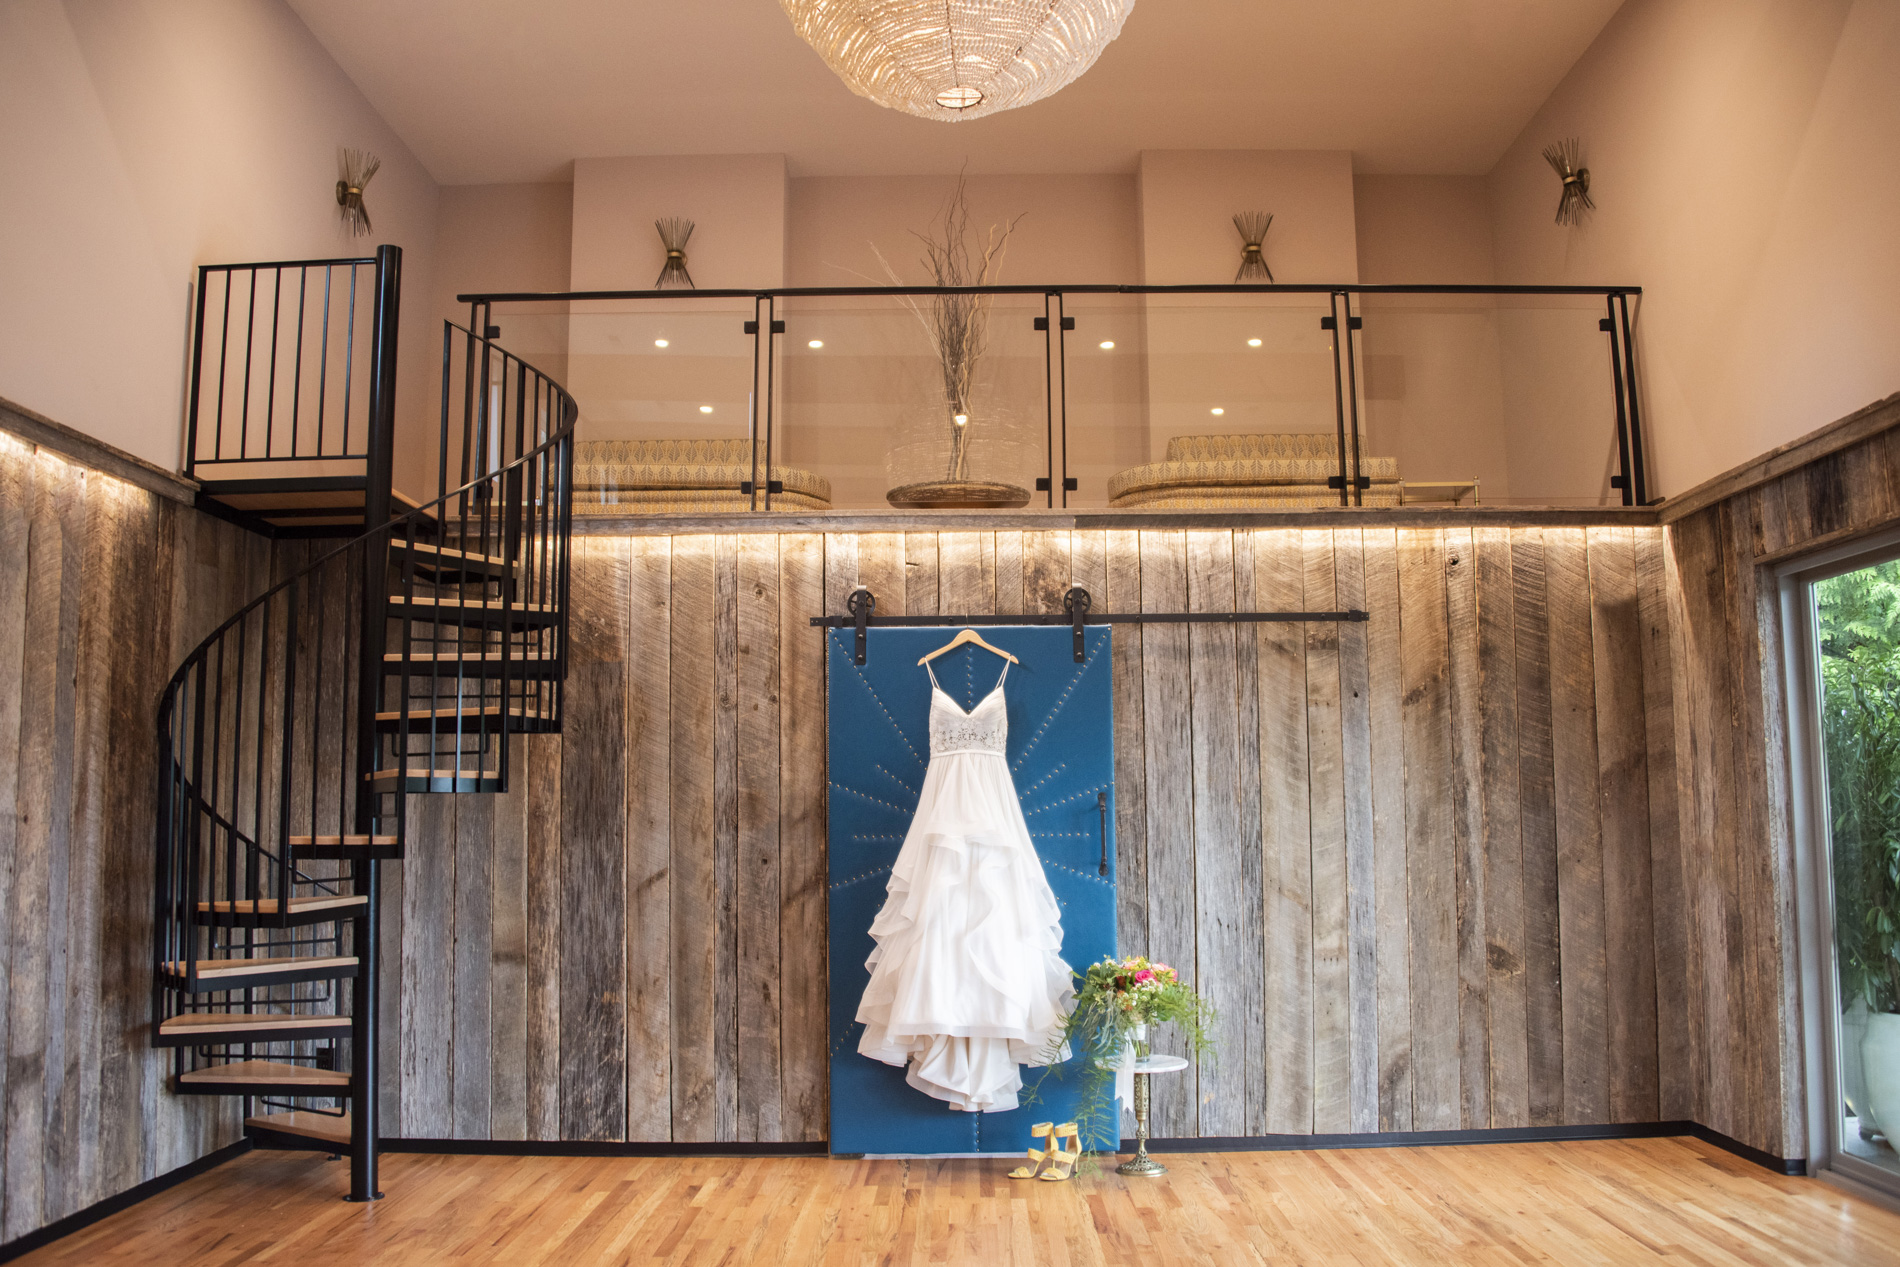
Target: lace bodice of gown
x=984 y=728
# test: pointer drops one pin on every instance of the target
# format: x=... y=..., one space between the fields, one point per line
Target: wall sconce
x=1575 y=199
x=1253 y=226
x=674 y=233
x=358 y=166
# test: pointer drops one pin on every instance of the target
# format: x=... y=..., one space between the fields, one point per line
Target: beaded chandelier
x=957 y=59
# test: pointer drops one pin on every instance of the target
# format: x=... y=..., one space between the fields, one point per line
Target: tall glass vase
x=1138 y=1044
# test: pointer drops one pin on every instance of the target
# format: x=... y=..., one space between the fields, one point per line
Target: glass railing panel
x=537 y=332
x=864 y=404
x=665 y=392
x=1156 y=383
x=1488 y=399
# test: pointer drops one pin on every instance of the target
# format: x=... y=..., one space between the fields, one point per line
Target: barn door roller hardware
x=862 y=608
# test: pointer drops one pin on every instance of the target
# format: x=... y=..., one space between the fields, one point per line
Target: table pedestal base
x=1141 y=1163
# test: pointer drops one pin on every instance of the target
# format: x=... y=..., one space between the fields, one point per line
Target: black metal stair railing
x=401 y=661
x=276 y=366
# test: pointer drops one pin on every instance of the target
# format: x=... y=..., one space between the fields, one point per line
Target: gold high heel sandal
x=1062 y=1160
x=1040 y=1130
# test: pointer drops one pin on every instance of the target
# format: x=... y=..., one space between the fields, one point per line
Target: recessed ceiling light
x=816 y=343
x=1253 y=343
x=659 y=343
x=1217 y=410
x=1107 y=344
x=705 y=409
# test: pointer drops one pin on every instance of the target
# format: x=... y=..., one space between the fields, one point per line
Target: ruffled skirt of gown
x=967 y=980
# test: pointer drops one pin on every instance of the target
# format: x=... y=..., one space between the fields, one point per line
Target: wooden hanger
x=967 y=636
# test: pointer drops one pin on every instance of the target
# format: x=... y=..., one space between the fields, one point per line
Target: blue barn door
x=1061 y=756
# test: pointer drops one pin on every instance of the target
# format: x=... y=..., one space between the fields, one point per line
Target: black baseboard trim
x=603 y=1148
x=1500 y=1135
x=112 y=1205
x=1210 y=1144
x=1780 y=1165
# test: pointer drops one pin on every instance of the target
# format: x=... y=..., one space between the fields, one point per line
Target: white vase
x=1853 y=1079
x=1880 y=1065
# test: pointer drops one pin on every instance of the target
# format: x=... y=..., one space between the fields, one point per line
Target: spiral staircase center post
x=379 y=478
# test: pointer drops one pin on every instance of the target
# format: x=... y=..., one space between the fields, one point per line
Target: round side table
x=1141 y=1163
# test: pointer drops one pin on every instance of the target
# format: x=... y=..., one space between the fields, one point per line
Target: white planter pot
x=1853 y=1079
x=1880 y=1065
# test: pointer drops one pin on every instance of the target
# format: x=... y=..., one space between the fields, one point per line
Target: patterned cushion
x=1252 y=497
x=686 y=501
x=629 y=466
x=1298 y=444
x=1277 y=461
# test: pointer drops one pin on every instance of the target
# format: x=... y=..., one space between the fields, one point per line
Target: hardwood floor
x=1599 y=1202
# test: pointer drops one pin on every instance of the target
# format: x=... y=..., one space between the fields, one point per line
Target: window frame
x=1811 y=838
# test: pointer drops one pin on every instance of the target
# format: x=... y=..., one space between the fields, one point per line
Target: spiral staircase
x=399 y=661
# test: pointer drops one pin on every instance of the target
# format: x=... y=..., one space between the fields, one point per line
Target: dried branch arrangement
x=674 y=234
x=1563 y=158
x=357 y=167
x=957 y=325
x=1253 y=226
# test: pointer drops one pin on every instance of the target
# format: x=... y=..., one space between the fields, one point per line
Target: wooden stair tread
x=319 y=1126
x=451 y=657
x=489 y=709
x=236 y=1022
x=449 y=554
x=474 y=604
x=275 y=1071
x=313 y=841
x=212 y=968
x=268 y=906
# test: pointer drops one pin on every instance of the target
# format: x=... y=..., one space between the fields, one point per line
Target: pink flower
x=1144 y=975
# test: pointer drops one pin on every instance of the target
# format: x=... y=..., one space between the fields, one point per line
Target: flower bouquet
x=1118 y=1006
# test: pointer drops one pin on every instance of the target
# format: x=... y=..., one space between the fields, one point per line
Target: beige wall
x=144 y=137
x=1189 y=199
x=501 y=238
x=1741 y=161
x=1073 y=230
x=1422 y=230
x=736 y=203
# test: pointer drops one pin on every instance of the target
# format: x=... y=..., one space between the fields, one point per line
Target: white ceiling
x=500 y=90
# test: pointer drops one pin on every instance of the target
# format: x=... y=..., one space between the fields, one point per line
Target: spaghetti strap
x=933 y=676
x=1001 y=676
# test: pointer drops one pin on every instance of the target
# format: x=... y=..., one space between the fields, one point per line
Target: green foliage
x=1858 y=615
x=1115 y=996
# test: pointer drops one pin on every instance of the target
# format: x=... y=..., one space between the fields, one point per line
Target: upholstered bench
x=1250 y=472
x=648 y=477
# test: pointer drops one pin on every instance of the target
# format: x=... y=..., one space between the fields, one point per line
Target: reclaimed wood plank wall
x=104 y=587
x=1514 y=853
x=1724 y=899
x=1422 y=864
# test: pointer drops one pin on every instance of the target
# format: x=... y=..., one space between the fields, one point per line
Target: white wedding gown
x=967 y=980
